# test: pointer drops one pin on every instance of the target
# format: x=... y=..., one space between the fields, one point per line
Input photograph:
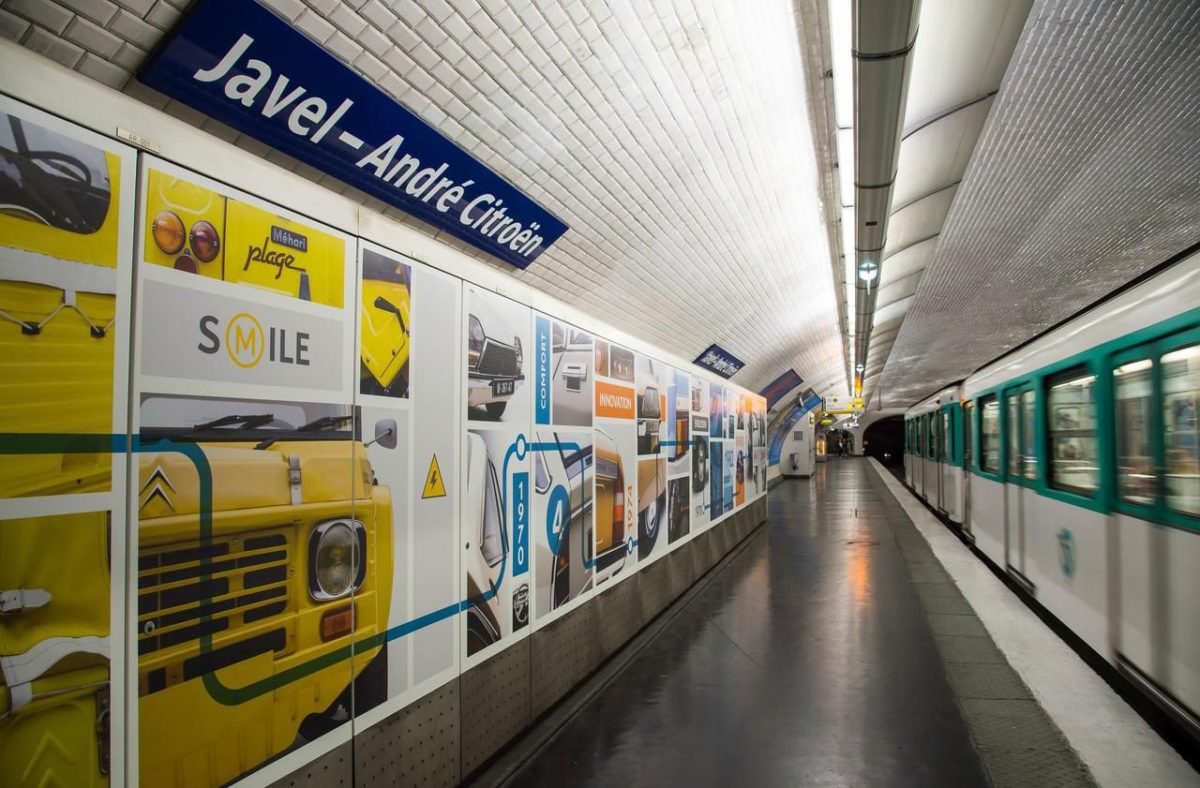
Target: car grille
x=498 y=360
x=180 y=600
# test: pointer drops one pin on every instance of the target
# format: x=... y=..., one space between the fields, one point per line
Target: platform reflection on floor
x=805 y=661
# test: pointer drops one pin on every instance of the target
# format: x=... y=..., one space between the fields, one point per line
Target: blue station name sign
x=777 y=388
x=720 y=360
x=236 y=61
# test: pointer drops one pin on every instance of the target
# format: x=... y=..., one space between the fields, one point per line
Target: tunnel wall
x=359 y=528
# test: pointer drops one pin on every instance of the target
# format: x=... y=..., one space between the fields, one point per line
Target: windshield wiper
x=387 y=306
x=324 y=423
x=243 y=422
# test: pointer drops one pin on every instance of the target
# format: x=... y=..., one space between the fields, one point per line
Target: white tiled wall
x=671 y=135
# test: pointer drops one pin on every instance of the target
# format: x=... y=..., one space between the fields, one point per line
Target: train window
x=1072 y=426
x=1014 y=435
x=1028 y=456
x=1135 y=463
x=1181 y=439
x=947 y=437
x=989 y=435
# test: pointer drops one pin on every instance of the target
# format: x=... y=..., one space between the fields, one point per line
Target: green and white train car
x=933 y=466
x=1075 y=462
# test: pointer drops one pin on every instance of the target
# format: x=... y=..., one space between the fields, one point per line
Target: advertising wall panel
x=351 y=476
x=701 y=465
x=66 y=241
x=495 y=527
x=616 y=441
x=262 y=562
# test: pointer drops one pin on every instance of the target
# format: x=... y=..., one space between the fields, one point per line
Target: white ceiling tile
x=673 y=136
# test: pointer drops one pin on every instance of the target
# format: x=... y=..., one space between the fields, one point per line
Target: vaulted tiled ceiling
x=1087 y=174
x=673 y=136
x=959 y=60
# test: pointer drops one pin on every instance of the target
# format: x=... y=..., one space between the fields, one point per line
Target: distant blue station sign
x=777 y=388
x=236 y=61
x=809 y=400
x=720 y=361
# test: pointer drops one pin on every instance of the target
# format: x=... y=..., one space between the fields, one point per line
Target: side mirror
x=385 y=433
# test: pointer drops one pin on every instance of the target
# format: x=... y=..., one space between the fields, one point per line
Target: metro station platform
x=840 y=645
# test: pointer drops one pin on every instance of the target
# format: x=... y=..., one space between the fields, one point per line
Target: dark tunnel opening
x=884 y=440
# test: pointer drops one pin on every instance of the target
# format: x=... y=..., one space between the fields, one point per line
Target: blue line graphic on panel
x=27 y=444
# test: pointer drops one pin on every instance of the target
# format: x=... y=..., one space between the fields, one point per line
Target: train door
x=968 y=462
x=931 y=461
x=908 y=452
x=943 y=459
x=1156 y=394
x=919 y=457
x=934 y=464
x=923 y=427
x=1020 y=471
x=918 y=452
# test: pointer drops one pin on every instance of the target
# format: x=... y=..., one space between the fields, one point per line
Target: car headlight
x=337 y=553
x=205 y=241
x=168 y=233
x=475 y=340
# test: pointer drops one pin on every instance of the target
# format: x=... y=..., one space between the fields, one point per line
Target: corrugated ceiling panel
x=1087 y=174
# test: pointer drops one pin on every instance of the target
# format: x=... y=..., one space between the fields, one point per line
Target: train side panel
x=1066 y=559
x=1158 y=582
x=987 y=517
x=952 y=491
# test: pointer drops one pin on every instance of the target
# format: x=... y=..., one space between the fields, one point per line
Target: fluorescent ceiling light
x=840 y=32
x=848 y=235
x=845 y=154
x=868 y=270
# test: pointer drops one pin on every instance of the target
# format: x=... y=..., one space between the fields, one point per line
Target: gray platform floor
x=832 y=651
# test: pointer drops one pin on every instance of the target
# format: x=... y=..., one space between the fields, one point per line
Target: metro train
x=1073 y=465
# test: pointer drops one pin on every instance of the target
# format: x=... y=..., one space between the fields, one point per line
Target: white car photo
x=495 y=361
x=486 y=521
x=573 y=356
x=565 y=567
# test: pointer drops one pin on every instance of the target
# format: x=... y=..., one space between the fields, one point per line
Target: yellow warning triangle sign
x=435 y=487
